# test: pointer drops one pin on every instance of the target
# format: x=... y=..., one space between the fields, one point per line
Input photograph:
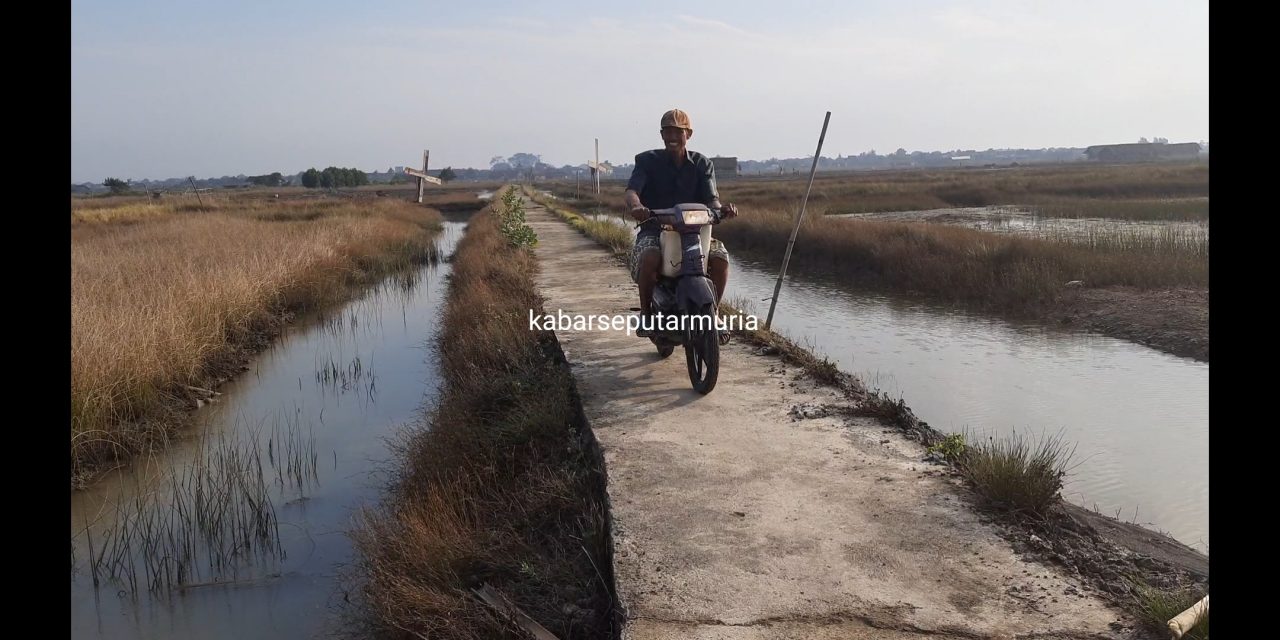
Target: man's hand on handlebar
x=728 y=211
x=640 y=213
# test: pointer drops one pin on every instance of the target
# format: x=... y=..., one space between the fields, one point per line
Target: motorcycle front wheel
x=702 y=353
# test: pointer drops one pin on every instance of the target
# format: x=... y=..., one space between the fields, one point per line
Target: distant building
x=725 y=166
x=1143 y=152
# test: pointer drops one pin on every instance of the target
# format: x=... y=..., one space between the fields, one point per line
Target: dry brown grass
x=1156 y=607
x=501 y=485
x=616 y=237
x=177 y=300
x=137 y=207
x=1178 y=209
x=860 y=192
x=1137 y=191
x=1016 y=473
x=957 y=264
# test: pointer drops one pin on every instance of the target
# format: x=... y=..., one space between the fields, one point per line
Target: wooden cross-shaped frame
x=422 y=176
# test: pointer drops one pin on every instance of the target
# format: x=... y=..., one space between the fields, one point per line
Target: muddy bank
x=1109 y=554
x=1172 y=320
x=1106 y=552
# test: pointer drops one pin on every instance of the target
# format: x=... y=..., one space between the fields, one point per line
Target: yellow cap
x=676 y=118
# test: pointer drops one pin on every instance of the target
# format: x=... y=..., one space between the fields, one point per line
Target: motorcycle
x=684 y=299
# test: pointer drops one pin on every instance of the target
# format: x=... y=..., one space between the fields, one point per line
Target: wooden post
x=777 y=288
x=422 y=184
x=193 y=188
x=597 y=166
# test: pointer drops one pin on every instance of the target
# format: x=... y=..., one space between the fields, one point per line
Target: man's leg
x=718 y=267
x=650 y=263
x=718 y=271
x=646 y=263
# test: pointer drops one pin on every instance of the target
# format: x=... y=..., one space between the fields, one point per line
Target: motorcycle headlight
x=696 y=217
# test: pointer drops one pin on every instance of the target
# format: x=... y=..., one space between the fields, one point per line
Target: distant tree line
x=269 y=180
x=530 y=165
x=116 y=185
x=333 y=177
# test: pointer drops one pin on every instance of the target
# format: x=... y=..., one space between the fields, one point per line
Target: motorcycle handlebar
x=716 y=216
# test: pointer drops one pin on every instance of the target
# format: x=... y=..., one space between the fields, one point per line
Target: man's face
x=675 y=138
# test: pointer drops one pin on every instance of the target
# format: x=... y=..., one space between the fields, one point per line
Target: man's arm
x=707 y=192
x=631 y=200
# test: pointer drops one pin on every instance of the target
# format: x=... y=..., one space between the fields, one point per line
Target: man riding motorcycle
x=663 y=178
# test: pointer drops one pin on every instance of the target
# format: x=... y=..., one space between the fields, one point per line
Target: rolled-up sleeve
x=639 y=175
x=707 y=191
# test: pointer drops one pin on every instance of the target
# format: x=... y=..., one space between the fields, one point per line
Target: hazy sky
x=165 y=89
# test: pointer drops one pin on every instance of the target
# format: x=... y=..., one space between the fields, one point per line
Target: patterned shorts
x=647 y=240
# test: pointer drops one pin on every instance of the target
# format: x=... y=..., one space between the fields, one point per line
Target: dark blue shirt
x=661 y=184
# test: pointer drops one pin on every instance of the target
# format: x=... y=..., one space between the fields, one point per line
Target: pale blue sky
x=166 y=89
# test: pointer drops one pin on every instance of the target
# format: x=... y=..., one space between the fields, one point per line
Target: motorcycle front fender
x=693 y=293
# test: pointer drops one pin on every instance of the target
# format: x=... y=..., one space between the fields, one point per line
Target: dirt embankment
x=1171 y=320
